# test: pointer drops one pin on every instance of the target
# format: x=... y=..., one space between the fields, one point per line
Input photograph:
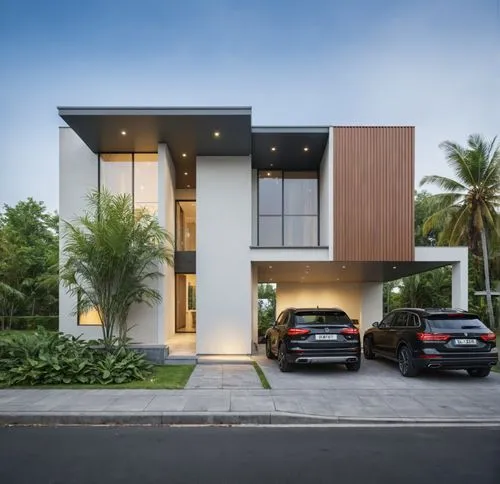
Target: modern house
x=324 y=212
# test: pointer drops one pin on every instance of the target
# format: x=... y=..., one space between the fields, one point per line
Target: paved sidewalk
x=245 y=406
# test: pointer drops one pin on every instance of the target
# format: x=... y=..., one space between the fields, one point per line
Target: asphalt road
x=125 y=455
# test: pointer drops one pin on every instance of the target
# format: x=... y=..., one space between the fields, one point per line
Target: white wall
x=363 y=302
x=372 y=304
x=254 y=303
x=223 y=271
x=78 y=174
x=285 y=254
x=326 y=199
x=344 y=296
x=166 y=215
x=458 y=258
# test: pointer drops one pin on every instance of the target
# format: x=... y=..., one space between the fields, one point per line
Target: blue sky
x=434 y=64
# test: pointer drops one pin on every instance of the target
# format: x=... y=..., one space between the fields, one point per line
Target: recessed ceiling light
x=271 y=165
x=268 y=173
x=343 y=267
x=184 y=155
x=338 y=278
x=307 y=266
x=270 y=267
x=270 y=279
x=124 y=133
x=185 y=173
x=273 y=148
x=306 y=148
x=394 y=267
x=216 y=134
x=188 y=186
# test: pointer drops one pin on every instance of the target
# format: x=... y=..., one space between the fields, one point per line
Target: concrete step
x=224 y=360
x=181 y=360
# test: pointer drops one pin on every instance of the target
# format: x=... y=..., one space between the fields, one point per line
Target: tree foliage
x=113 y=255
x=466 y=209
x=29 y=251
x=267 y=306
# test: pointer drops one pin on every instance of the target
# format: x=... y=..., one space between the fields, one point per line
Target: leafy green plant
x=45 y=358
x=113 y=255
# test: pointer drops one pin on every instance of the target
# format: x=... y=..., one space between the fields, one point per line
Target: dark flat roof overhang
x=185 y=130
x=288 y=147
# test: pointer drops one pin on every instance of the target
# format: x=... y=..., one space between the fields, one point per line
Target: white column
x=166 y=217
x=223 y=268
x=78 y=173
x=372 y=304
x=255 y=311
x=460 y=285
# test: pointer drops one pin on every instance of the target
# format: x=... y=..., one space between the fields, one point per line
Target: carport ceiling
x=322 y=272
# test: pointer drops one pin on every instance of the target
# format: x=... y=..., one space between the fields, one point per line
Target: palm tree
x=111 y=256
x=466 y=211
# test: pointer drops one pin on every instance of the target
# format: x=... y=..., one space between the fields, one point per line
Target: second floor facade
x=284 y=193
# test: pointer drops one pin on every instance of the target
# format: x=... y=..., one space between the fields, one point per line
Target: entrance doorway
x=185 y=308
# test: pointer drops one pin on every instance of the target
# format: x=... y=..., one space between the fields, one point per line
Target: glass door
x=185 y=308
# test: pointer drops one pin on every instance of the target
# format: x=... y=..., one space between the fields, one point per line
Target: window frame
x=282 y=213
x=132 y=153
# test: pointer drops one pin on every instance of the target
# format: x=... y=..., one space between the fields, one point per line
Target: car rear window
x=322 y=317
x=455 y=321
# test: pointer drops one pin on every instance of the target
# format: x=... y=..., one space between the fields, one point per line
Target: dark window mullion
x=282 y=207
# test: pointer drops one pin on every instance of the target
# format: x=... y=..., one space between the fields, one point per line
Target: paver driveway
x=375 y=374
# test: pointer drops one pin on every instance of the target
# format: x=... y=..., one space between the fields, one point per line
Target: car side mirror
x=375 y=324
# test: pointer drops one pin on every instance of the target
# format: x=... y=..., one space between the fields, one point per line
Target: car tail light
x=353 y=331
x=433 y=337
x=428 y=357
x=489 y=337
x=298 y=332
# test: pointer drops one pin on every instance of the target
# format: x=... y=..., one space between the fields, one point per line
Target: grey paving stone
x=256 y=403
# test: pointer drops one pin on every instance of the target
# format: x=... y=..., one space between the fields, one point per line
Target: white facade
x=227 y=256
x=224 y=236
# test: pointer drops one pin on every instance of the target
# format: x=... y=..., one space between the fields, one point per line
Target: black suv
x=314 y=336
x=433 y=338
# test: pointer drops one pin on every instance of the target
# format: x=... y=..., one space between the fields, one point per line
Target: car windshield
x=322 y=317
x=455 y=321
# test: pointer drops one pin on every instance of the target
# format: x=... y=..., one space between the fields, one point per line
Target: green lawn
x=164 y=377
x=262 y=377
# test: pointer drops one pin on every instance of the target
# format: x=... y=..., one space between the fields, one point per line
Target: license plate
x=328 y=337
x=466 y=342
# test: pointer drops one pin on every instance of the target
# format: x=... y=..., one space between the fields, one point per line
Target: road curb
x=223 y=418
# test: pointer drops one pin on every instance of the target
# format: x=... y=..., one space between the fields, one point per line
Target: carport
x=356 y=287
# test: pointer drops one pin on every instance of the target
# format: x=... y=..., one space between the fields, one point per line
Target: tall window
x=132 y=173
x=185 y=216
x=288 y=208
x=146 y=181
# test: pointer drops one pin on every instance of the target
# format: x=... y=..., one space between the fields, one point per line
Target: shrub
x=50 y=323
x=45 y=358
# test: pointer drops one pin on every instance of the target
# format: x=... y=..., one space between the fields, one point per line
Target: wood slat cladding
x=373 y=170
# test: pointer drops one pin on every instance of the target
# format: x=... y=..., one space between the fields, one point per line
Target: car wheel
x=269 y=351
x=405 y=362
x=283 y=363
x=479 y=372
x=368 y=349
x=353 y=366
